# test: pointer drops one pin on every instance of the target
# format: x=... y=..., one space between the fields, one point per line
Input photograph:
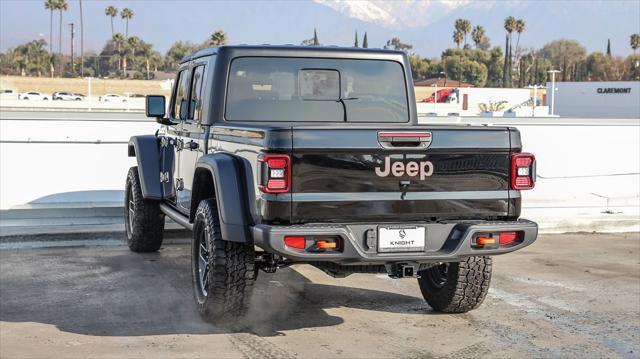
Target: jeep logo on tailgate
x=411 y=168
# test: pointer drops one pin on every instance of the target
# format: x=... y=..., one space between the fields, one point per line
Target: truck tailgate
x=393 y=174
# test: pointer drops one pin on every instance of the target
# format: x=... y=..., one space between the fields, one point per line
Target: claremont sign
x=606 y=90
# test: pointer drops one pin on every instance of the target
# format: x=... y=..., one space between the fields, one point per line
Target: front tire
x=144 y=222
x=456 y=287
x=223 y=272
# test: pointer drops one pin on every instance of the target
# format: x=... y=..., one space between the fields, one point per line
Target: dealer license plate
x=401 y=239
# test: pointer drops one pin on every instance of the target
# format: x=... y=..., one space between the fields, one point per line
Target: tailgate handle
x=421 y=139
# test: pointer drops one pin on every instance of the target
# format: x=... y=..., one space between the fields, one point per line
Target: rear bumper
x=446 y=242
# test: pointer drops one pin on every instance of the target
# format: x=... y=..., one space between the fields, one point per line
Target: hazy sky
x=426 y=25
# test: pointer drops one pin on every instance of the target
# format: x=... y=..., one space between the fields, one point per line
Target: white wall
x=582 y=164
x=581 y=99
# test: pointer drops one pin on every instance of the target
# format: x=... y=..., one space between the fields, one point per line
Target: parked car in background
x=112 y=97
x=32 y=95
x=67 y=96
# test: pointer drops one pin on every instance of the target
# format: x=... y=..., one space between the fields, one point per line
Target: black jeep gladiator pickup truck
x=277 y=155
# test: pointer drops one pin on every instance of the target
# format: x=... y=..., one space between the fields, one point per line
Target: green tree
x=633 y=63
x=119 y=40
x=609 y=48
x=479 y=37
x=494 y=67
x=355 y=43
x=634 y=41
x=61 y=5
x=396 y=44
x=175 y=54
x=218 y=38
x=29 y=59
x=51 y=5
x=600 y=67
x=519 y=27
x=510 y=24
x=316 y=42
x=365 y=41
x=126 y=14
x=506 y=71
x=463 y=26
x=458 y=36
x=564 y=54
x=111 y=12
x=420 y=67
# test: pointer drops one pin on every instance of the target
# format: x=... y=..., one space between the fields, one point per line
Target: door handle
x=191 y=145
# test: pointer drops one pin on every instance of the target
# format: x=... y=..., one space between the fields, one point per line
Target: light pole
x=553 y=90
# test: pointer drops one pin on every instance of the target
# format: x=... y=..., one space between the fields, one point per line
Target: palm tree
x=119 y=40
x=133 y=43
x=458 y=36
x=61 y=5
x=146 y=50
x=519 y=27
x=510 y=26
x=478 y=35
x=365 y=41
x=126 y=14
x=218 y=38
x=635 y=42
x=51 y=5
x=463 y=26
x=112 y=12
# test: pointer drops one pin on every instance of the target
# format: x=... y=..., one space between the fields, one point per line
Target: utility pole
x=73 y=72
x=81 y=42
x=553 y=90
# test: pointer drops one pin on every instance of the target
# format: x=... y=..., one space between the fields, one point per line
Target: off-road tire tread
x=233 y=272
x=467 y=285
x=148 y=227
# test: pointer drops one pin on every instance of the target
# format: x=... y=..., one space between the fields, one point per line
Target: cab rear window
x=272 y=89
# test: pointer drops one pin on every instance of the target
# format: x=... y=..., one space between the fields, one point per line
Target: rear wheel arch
x=219 y=176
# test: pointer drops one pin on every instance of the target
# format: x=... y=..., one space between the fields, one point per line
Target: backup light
x=275 y=173
x=523 y=171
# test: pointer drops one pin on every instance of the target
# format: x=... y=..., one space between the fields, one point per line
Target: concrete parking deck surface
x=565 y=296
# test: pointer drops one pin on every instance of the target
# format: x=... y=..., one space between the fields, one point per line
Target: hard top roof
x=294 y=50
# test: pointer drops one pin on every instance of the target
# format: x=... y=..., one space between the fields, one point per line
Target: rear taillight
x=275 y=173
x=523 y=171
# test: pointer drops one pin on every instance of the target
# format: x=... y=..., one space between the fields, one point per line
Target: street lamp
x=553 y=89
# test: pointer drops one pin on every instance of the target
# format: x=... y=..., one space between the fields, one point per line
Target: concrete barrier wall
x=589 y=173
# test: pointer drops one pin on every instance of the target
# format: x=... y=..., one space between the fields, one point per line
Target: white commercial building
x=606 y=99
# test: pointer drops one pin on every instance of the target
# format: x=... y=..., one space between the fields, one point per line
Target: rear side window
x=180 y=104
x=269 y=89
x=196 y=94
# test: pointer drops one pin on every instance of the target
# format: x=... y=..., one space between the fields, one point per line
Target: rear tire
x=456 y=287
x=144 y=222
x=223 y=272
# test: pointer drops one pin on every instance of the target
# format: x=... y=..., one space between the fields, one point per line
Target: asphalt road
x=565 y=296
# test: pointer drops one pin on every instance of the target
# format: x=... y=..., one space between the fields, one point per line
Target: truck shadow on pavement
x=109 y=291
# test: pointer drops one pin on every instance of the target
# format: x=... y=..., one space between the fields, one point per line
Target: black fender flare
x=228 y=182
x=145 y=149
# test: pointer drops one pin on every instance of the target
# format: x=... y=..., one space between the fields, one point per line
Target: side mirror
x=155 y=106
